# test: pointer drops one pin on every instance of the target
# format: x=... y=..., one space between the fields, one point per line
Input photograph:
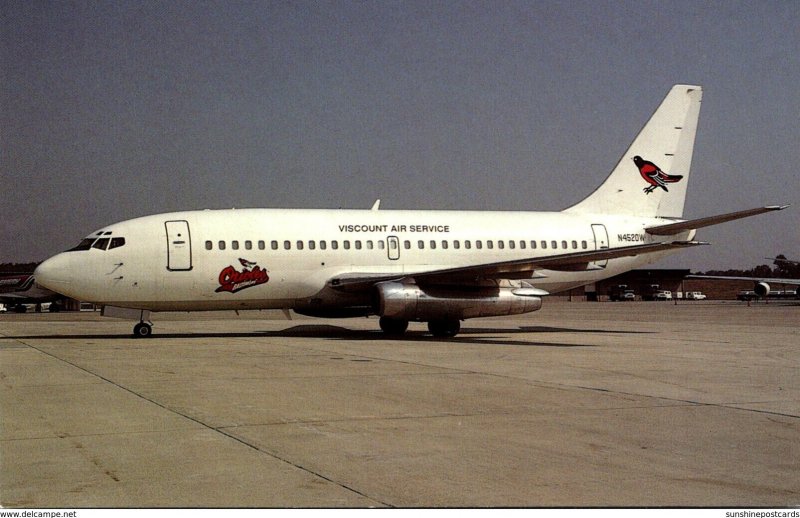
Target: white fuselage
x=284 y=258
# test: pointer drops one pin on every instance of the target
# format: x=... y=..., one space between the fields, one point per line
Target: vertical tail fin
x=651 y=177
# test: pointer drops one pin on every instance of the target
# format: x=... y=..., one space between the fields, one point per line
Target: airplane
x=761 y=285
x=21 y=289
x=439 y=267
x=783 y=260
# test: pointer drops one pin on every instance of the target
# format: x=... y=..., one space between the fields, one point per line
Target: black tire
x=393 y=327
x=142 y=330
x=444 y=328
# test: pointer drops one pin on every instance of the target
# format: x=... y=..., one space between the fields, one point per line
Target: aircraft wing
x=516 y=269
x=692 y=224
x=791 y=282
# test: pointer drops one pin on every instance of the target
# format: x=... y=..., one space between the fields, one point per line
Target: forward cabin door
x=179 y=246
x=600 y=242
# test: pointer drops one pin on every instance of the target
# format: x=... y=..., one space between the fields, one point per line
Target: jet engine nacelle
x=411 y=302
x=761 y=289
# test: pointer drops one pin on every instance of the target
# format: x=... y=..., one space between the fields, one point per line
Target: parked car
x=663 y=295
x=695 y=295
x=621 y=292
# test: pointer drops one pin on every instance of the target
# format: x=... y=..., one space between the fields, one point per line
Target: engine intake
x=761 y=289
x=411 y=302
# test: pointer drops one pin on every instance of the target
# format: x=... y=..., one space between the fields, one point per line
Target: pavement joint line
x=565 y=386
x=689 y=401
x=212 y=428
x=77 y=436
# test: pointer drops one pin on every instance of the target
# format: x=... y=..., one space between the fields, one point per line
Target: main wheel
x=444 y=328
x=142 y=330
x=392 y=326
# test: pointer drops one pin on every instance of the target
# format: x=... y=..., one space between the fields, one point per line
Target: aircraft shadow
x=469 y=335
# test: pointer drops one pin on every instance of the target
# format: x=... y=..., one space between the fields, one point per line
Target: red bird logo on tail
x=653 y=175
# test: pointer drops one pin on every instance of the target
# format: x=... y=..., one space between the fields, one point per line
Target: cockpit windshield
x=86 y=244
x=99 y=243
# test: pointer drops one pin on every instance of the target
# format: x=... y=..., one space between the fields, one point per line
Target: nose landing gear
x=142 y=330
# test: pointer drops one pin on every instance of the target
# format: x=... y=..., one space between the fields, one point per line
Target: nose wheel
x=142 y=330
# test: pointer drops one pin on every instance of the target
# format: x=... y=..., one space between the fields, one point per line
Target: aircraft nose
x=53 y=274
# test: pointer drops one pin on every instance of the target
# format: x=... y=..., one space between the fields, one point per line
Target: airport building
x=646 y=282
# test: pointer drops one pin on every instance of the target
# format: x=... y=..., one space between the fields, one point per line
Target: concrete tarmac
x=579 y=404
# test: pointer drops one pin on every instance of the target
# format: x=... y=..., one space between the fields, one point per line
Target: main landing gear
x=445 y=328
x=142 y=330
x=392 y=326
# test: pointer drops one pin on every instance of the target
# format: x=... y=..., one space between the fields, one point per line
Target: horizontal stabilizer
x=692 y=224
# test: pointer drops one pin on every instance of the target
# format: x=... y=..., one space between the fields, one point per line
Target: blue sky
x=112 y=110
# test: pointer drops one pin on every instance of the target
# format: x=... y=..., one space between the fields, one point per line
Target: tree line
x=782 y=268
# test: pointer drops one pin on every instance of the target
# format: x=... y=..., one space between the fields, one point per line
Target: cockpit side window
x=116 y=242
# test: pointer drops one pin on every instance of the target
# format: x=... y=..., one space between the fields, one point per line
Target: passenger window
x=533 y=244
x=478 y=244
x=234 y=245
x=221 y=245
x=358 y=244
x=248 y=245
x=468 y=244
x=433 y=244
x=522 y=244
x=117 y=242
x=381 y=245
x=456 y=244
x=209 y=244
x=512 y=245
x=299 y=245
x=489 y=244
x=323 y=245
x=584 y=245
x=564 y=245
x=554 y=244
x=421 y=244
x=346 y=244
x=334 y=245
x=444 y=244
x=273 y=245
x=544 y=245
x=370 y=244
x=262 y=245
x=575 y=245
x=287 y=245
x=407 y=244
x=101 y=243
x=312 y=245
x=501 y=244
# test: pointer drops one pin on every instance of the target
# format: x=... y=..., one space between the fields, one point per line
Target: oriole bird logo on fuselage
x=653 y=175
